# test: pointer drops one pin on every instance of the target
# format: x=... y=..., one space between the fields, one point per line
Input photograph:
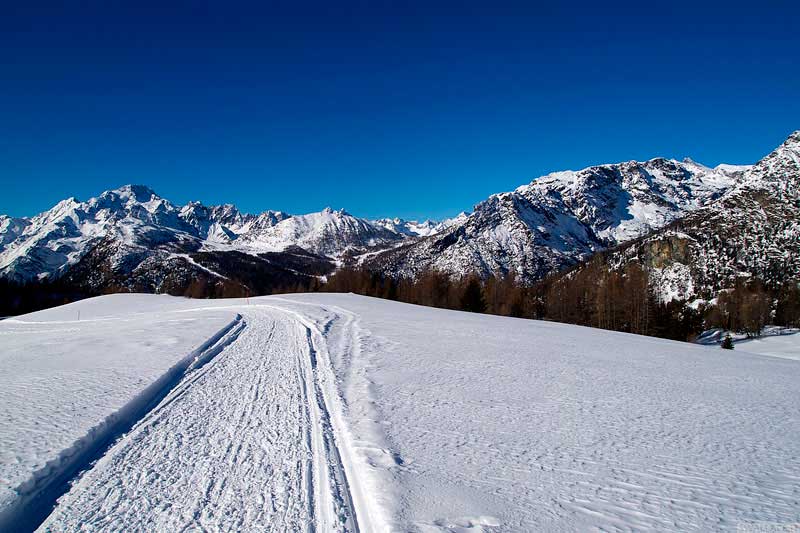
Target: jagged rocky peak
x=127 y=196
x=541 y=227
x=341 y=212
x=227 y=214
x=132 y=228
x=328 y=232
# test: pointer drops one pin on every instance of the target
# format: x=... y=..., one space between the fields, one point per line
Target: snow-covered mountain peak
x=62 y=208
x=453 y=221
x=129 y=200
x=195 y=209
x=341 y=212
x=328 y=232
x=779 y=171
x=224 y=211
x=410 y=227
x=138 y=193
x=132 y=223
x=752 y=230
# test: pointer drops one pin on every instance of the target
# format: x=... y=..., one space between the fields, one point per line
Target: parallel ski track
x=243 y=443
x=38 y=496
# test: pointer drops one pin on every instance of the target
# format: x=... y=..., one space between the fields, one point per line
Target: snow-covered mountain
x=10 y=229
x=751 y=231
x=563 y=217
x=409 y=227
x=426 y=228
x=133 y=237
x=224 y=223
x=328 y=232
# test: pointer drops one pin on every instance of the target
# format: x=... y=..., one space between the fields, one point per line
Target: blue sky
x=414 y=109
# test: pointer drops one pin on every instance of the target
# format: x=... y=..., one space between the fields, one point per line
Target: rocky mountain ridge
x=752 y=231
x=682 y=219
x=562 y=218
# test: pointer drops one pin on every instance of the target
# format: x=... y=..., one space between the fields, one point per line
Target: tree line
x=592 y=295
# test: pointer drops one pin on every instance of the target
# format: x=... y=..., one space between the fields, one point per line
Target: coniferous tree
x=727 y=342
x=787 y=311
x=472 y=298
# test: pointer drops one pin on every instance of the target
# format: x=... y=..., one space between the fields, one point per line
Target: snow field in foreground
x=343 y=412
x=514 y=425
x=67 y=384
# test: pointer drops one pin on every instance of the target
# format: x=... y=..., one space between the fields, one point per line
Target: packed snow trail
x=242 y=444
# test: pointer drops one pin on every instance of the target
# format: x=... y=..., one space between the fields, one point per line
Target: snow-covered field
x=774 y=341
x=785 y=345
x=66 y=384
x=338 y=412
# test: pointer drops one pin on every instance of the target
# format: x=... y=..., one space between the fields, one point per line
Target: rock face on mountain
x=562 y=218
x=130 y=238
x=753 y=231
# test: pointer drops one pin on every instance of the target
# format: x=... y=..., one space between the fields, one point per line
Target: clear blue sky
x=404 y=108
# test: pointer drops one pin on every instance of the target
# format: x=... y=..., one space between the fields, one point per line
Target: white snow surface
x=774 y=341
x=66 y=373
x=345 y=413
x=786 y=345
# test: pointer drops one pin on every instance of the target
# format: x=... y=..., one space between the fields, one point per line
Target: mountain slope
x=752 y=231
x=409 y=227
x=561 y=218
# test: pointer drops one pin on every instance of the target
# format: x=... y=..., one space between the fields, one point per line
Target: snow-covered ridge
x=541 y=227
x=328 y=232
x=134 y=220
x=409 y=227
x=563 y=217
x=626 y=200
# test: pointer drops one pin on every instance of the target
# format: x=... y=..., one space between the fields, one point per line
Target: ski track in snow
x=243 y=444
x=350 y=414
